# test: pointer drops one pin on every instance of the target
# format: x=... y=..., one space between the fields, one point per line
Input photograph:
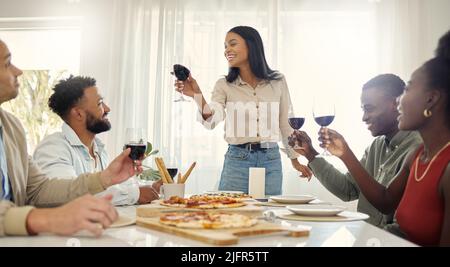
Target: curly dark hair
x=389 y=83
x=443 y=49
x=437 y=69
x=67 y=93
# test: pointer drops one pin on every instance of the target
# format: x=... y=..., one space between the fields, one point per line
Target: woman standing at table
x=250 y=95
x=420 y=193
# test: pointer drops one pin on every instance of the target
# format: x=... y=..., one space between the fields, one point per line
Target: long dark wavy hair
x=256 y=56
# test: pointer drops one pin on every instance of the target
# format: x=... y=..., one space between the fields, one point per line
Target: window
x=47 y=51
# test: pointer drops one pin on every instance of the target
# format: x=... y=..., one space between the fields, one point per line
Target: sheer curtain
x=407 y=32
x=151 y=36
x=334 y=46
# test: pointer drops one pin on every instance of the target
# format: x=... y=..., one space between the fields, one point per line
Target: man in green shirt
x=382 y=159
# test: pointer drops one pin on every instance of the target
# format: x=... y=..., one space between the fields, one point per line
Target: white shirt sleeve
x=126 y=193
x=217 y=106
x=285 y=128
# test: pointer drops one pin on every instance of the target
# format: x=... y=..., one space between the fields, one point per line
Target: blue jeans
x=236 y=168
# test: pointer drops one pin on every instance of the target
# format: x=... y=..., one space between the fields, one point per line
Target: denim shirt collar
x=74 y=140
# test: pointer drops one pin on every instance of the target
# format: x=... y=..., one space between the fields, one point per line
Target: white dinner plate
x=316 y=210
x=123 y=221
x=293 y=199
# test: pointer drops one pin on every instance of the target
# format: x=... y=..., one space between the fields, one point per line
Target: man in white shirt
x=23 y=185
x=76 y=149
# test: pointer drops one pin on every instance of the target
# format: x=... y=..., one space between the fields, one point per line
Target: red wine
x=137 y=151
x=324 y=121
x=181 y=72
x=296 y=122
x=172 y=171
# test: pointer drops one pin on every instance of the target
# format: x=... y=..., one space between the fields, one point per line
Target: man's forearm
x=311 y=155
x=372 y=190
x=55 y=192
x=338 y=183
x=38 y=221
x=105 y=179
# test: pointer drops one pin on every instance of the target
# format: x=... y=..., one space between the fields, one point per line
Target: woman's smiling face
x=414 y=101
x=236 y=50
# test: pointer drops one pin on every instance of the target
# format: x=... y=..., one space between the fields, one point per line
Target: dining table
x=322 y=234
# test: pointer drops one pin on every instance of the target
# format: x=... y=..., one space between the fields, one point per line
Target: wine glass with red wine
x=182 y=74
x=296 y=123
x=323 y=113
x=136 y=141
x=172 y=172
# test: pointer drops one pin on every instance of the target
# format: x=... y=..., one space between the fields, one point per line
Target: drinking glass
x=324 y=113
x=135 y=139
x=181 y=73
x=296 y=123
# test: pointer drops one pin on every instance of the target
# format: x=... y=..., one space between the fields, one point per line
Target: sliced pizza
x=235 y=195
x=203 y=202
x=204 y=220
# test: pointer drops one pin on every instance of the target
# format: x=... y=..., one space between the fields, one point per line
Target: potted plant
x=150 y=174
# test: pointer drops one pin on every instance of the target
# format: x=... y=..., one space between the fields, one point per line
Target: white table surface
x=323 y=234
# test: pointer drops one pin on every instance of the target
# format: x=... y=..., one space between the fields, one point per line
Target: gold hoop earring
x=427 y=113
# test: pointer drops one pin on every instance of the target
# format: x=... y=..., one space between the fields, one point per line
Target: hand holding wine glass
x=306 y=148
x=323 y=113
x=185 y=84
x=333 y=142
x=136 y=141
x=189 y=87
x=296 y=123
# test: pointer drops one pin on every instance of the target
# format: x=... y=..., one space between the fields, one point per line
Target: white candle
x=257 y=183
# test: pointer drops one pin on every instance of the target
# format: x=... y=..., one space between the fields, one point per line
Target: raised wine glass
x=182 y=74
x=296 y=123
x=135 y=139
x=323 y=113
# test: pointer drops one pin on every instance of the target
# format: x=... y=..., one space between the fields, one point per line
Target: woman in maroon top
x=421 y=190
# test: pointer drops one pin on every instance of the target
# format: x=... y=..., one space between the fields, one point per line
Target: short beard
x=97 y=126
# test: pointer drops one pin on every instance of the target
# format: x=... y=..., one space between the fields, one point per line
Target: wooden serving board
x=155 y=209
x=222 y=237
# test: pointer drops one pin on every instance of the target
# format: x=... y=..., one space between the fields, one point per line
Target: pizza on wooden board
x=239 y=196
x=204 y=220
x=203 y=202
